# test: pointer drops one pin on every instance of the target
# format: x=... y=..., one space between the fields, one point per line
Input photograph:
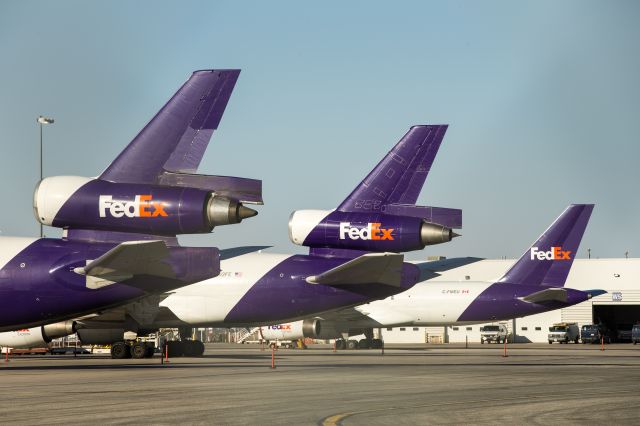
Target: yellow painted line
x=337 y=418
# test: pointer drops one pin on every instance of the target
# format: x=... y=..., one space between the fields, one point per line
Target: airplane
x=534 y=284
x=349 y=262
x=119 y=229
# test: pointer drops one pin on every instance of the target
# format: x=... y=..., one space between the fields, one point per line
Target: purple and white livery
x=534 y=284
x=380 y=214
x=256 y=288
x=119 y=242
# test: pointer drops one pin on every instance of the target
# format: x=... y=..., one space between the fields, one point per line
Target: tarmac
x=409 y=384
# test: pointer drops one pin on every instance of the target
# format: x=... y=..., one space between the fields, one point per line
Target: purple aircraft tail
x=394 y=185
x=548 y=261
x=177 y=136
x=399 y=177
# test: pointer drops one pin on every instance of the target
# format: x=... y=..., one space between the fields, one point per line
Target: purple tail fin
x=548 y=261
x=399 y=177
x=176 y=138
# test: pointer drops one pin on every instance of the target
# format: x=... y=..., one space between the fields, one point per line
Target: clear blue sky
x=542 y=98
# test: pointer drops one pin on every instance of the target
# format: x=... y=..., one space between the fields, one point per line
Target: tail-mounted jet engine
x=84 y=203
x=365 y=231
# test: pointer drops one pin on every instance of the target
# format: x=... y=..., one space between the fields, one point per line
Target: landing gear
x=138 y=350
x=188 y=348
x=364 y=344
x=193 y=348
x=376 y=343
x=367 y=343
x=120 y=350
x=135 y=350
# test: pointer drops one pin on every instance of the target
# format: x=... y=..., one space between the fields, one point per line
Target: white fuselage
x=209 y=302
x=427 y=303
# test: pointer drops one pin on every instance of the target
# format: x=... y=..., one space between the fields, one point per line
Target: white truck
x=564 y=332
x=493 y=333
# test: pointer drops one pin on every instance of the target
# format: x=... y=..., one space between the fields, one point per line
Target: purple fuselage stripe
x=500 y=302
x=39 y=285
x=284 y=293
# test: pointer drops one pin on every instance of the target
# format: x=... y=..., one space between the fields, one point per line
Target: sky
x=542 y=101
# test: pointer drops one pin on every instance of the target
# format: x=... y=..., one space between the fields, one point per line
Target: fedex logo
x=372 y=231
x=281 y=327
x=141 y=206
x=556 y=253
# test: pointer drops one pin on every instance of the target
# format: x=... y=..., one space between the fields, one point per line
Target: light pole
x=41 y=121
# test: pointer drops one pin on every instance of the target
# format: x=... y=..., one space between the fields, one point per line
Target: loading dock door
x=616 y=317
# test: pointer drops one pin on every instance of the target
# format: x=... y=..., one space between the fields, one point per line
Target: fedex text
x=141 y=206
x=556 y=253
x=373 y=231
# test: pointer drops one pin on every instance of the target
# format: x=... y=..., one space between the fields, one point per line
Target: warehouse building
x=617 y=309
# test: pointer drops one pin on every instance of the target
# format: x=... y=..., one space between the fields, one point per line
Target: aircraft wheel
x=138 y=350
x=193 y=348
x=175 y=348
x=198 y=348
x=376 y=343
x=340 y=344
x=120 y=350
x=150 y=350
x=352 y=344
x=364 y=344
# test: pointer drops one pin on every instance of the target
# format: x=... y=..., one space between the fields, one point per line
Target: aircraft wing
x=370 y=268
x=127 y=260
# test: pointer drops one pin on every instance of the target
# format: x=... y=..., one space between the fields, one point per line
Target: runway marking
x=336 y=419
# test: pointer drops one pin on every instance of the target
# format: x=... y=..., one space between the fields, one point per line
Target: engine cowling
x=78 y=202
x=101 y=336
x=365 y=231
x=308 y=328
x=36 y=337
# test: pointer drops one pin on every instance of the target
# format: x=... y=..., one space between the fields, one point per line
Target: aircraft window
x=402 y=329
x=415 y=329
x=389 y=329
x=455 y=328
x=538 y=328
x=469 y=328
x=524 y=328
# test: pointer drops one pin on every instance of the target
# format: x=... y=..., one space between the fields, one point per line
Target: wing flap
x=371 y=268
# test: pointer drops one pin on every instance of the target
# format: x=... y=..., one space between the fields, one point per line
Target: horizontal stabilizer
x=595 y=293
x=245 y=190
x=127 y=260
x=547 y=295
x=451 y=218
x=371 y=268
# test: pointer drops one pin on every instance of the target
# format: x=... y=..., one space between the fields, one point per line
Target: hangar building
x=617 y=309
